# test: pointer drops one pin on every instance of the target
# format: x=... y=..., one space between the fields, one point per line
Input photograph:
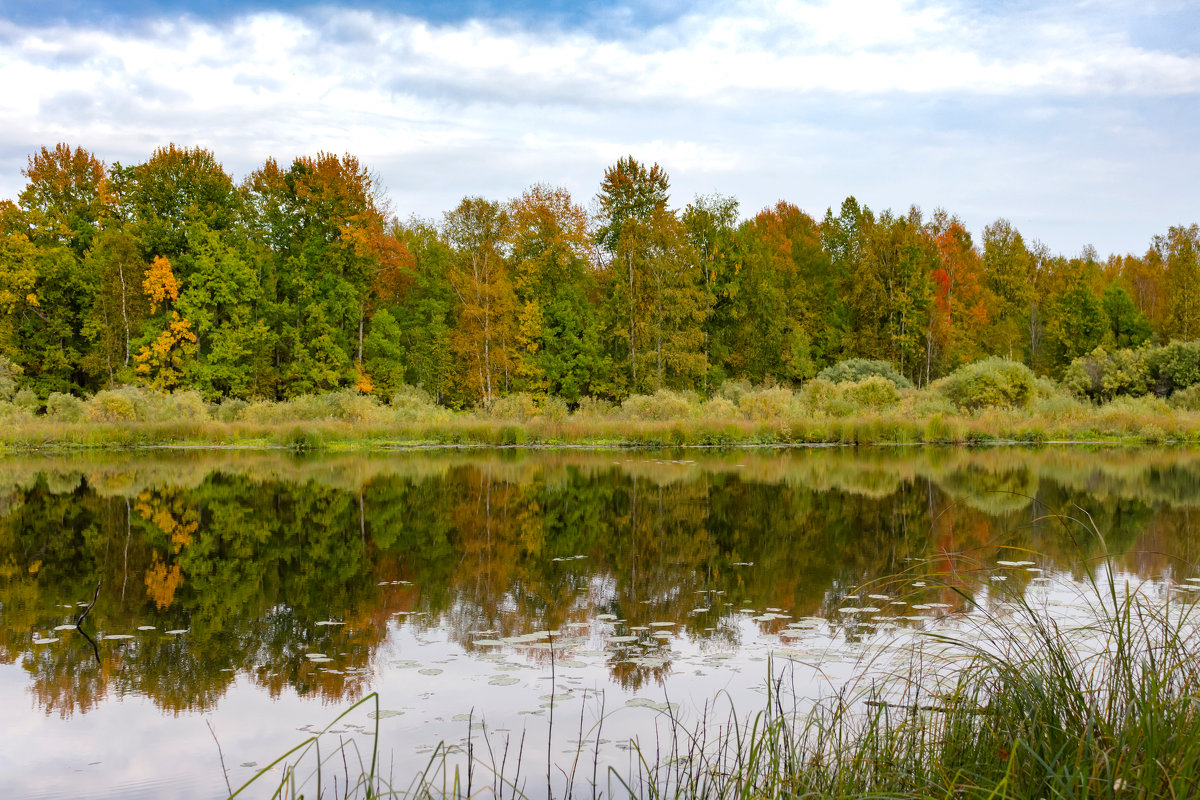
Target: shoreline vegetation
x=856 y=402
x=271 y=303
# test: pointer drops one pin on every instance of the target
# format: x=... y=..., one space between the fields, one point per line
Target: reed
x=1020 y=703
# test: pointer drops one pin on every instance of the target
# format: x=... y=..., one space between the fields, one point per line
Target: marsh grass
x=1016 y=700
x=868 y=411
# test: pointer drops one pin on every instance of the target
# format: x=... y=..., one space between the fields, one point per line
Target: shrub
x=1174 y=367
x=8 y=379
x=517 y=407
x=65 y=407
x=990 y=383
x=353 y=406
x=231 y=409
x=767 y=403
x=663 y=404
x=413 y=402
x=593 y=407
x=818 y=393
x=856 y=369
x=1187 y=399
x=555 y=409
x=733 y=390
x=26 y=399
x=122 y=404
x=184 y=405
x=718 y=408
x=873 y=392
x=1102 y=376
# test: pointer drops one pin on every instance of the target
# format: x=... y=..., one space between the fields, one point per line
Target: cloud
x=725 y=92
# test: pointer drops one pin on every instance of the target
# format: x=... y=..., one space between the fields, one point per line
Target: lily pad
x=384 y=713
x=503 y=680
x=430 y=671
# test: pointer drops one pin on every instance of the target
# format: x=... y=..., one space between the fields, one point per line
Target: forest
x=300 y=280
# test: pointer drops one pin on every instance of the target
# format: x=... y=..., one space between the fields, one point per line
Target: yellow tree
x=486 y=302
x=549 y=239
x=163 y=363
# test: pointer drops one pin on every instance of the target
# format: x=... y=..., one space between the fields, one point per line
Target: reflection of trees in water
x=248 y=556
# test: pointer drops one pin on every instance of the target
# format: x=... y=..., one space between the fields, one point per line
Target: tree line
x=299 y=280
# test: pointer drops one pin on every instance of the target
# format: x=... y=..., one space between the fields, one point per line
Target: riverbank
x=1130 y=422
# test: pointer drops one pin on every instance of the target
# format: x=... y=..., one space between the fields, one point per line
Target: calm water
x=247 y=598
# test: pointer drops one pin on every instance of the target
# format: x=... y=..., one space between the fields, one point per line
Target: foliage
x=857 y=369
x=299 y=282
x=1101 y=376
x=1174 y=366
x=991 y=383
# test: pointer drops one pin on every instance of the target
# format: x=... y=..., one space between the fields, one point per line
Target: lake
x=536 y=605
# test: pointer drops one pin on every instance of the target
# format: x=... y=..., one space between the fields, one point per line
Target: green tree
x=1127 y=327
x=383 y=354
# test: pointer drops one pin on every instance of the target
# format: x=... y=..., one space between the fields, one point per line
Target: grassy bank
x=867 y=412
x=1014 y=703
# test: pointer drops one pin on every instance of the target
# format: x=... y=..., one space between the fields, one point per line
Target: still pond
x=245 y=598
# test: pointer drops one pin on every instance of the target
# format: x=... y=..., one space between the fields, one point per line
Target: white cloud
x=476 y=107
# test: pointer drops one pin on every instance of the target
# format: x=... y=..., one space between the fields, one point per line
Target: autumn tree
x=1179 y=253
x=557 y=348
x=1008 y=268
x=479 y=274
x=67 y=196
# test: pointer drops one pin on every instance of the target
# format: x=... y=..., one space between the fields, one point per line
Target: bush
x=1187 y=399
x=662 y=405
x=517 y=407
x=990 y=383
x=767 y=403
x=353 y=406
x=818 y=393
x=718 y=408
x=1174 y=367
x=231 y=409
x=733 y=390
x=65 y=407
x=8 y=379
x=185 y=405
x=413 y=402
x=123 y=404
x=856 y=369
x=873 y=392
x=593 y=407
x=26 y=399
x=555 y=409
x=1101 y=376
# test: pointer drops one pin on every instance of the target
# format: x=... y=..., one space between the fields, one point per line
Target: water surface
x=246 y=598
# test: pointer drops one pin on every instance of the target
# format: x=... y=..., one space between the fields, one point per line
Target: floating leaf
x=384 y=714
x=503 y=680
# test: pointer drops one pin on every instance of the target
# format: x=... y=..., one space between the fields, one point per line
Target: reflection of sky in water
x=766 y=539
x=128 y=748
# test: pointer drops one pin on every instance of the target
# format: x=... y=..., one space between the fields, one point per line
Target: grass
x=1017 y=702
x=868 y=412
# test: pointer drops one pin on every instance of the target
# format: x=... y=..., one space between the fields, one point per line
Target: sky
x=1077 y=121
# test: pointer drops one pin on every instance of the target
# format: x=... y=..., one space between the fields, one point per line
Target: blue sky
x=1078 y=121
